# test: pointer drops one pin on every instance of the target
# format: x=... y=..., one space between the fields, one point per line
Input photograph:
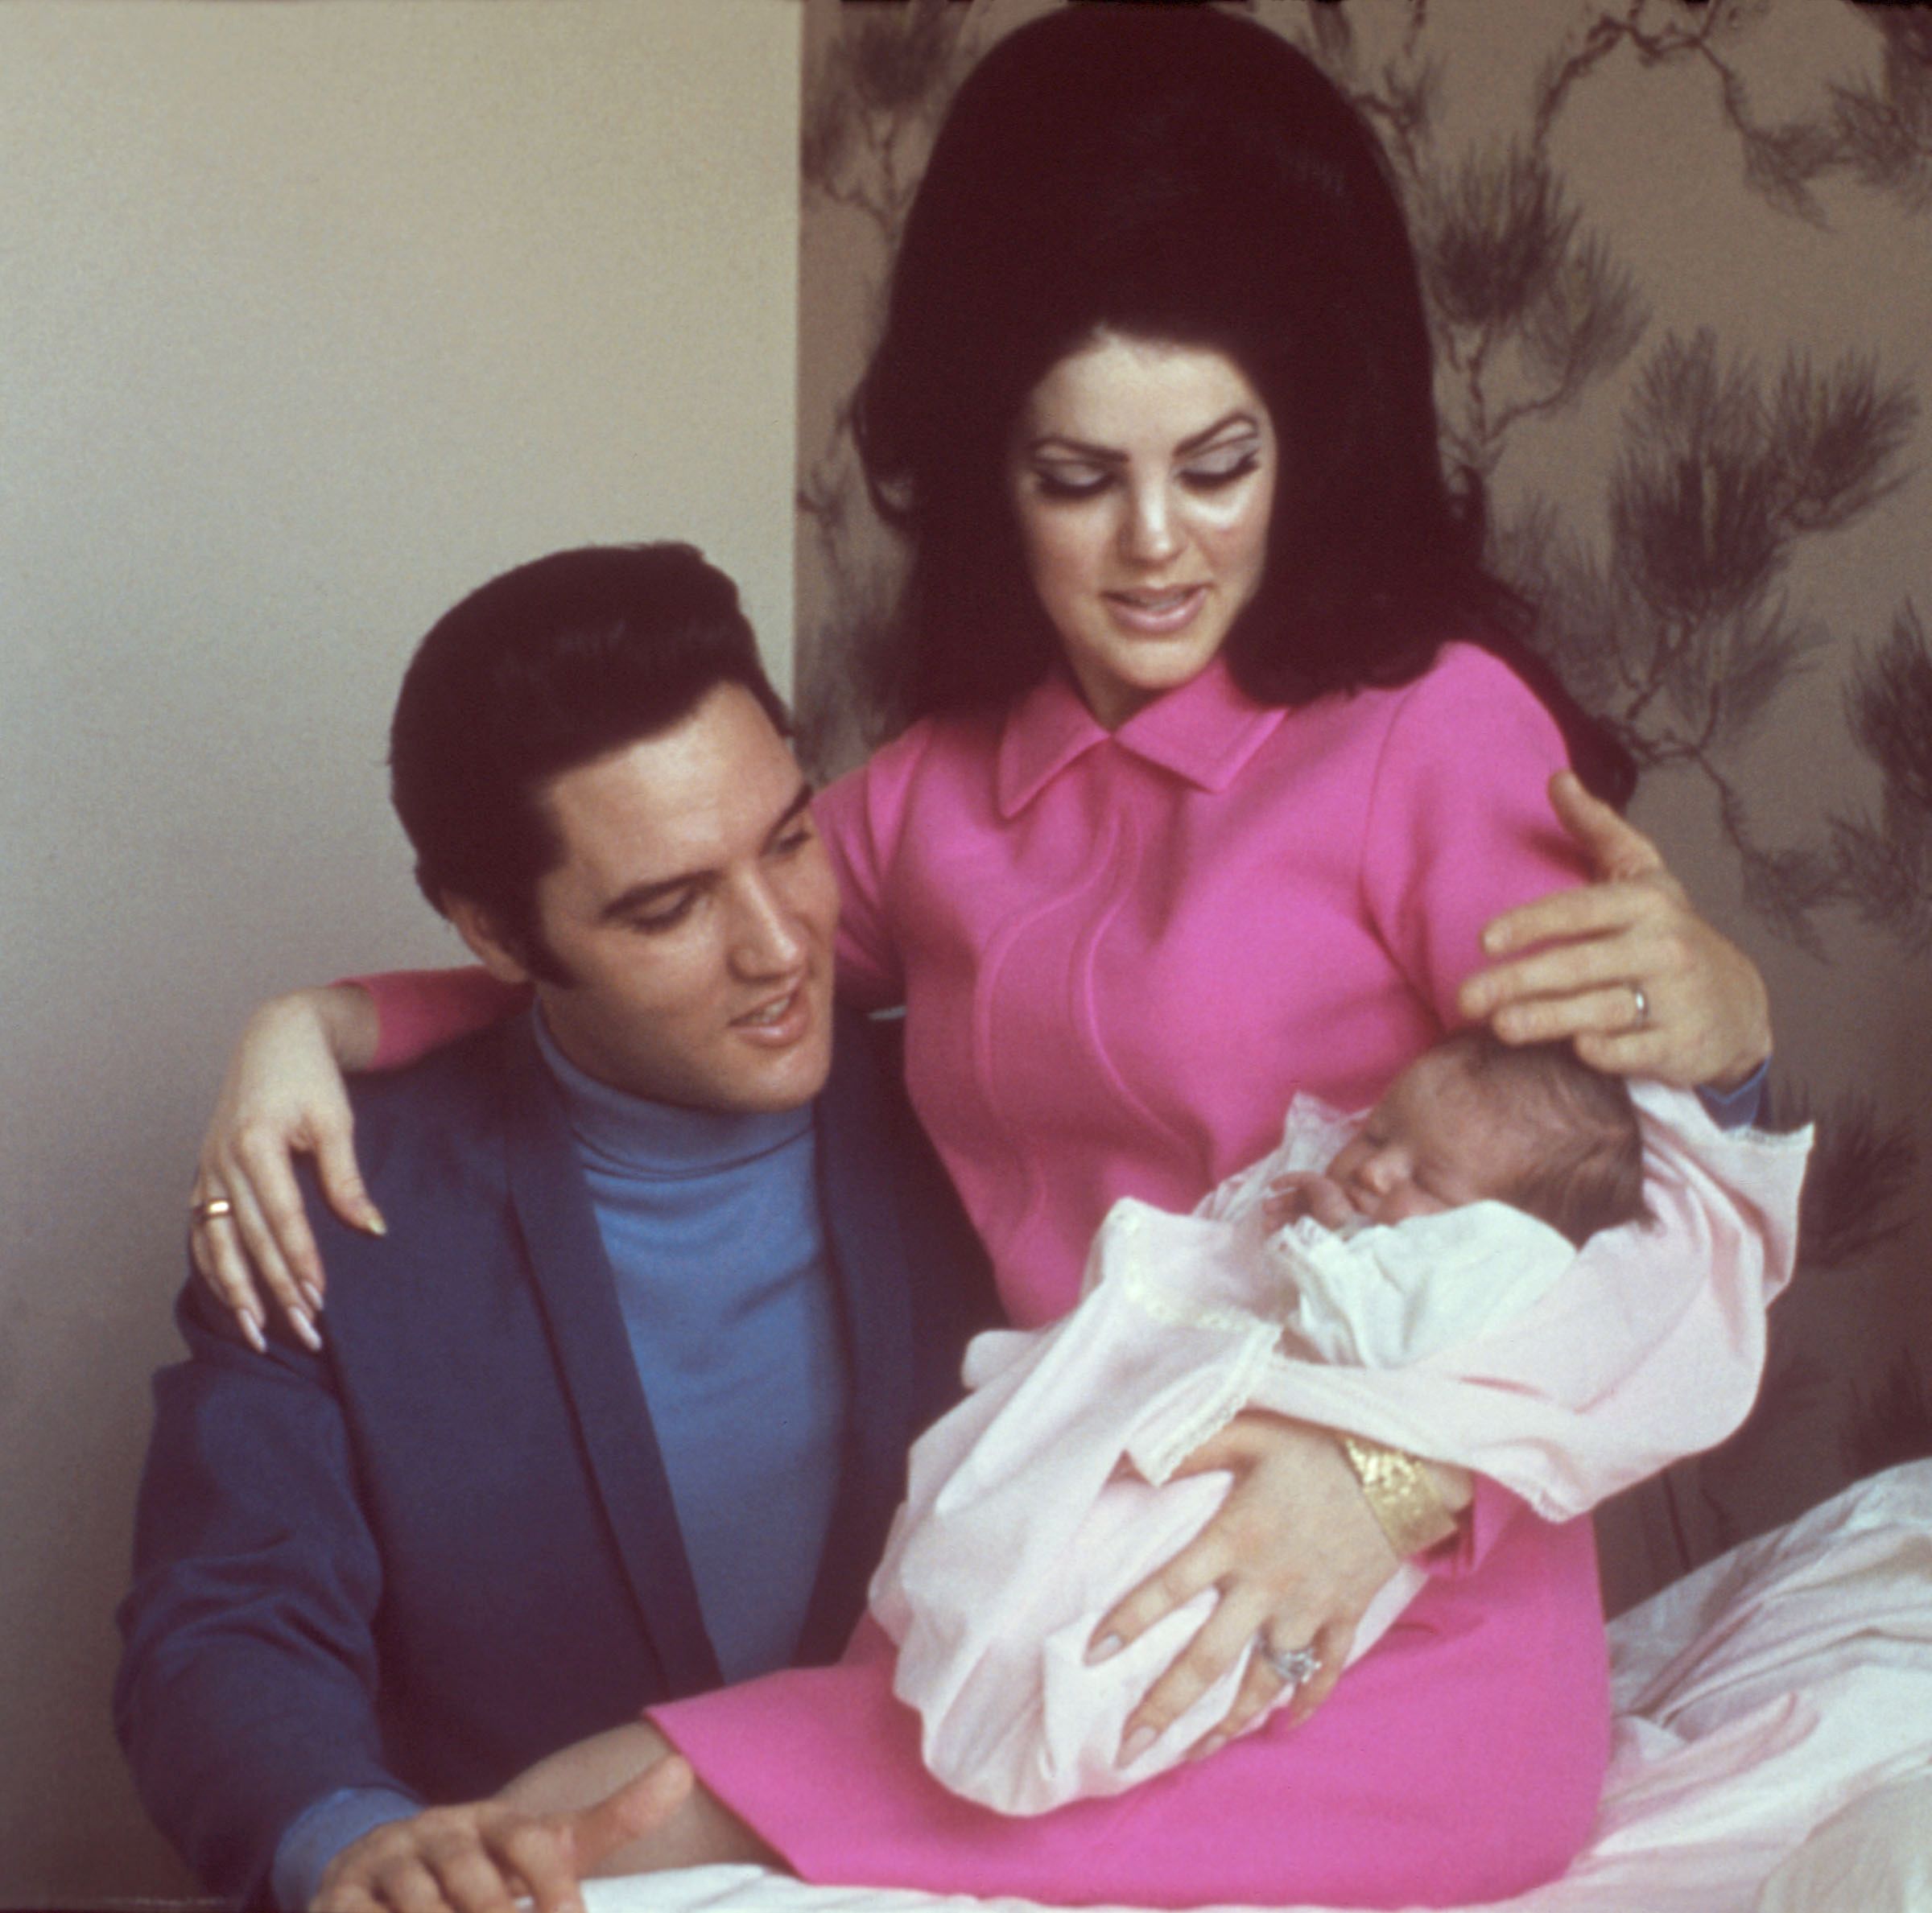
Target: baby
x=1044 y=1497
x=1474 y=1119
x=1471 y=1122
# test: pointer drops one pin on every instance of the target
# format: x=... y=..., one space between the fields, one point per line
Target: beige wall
x=310 y=319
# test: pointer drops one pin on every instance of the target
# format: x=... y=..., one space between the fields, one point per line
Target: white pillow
x=1874 y=1856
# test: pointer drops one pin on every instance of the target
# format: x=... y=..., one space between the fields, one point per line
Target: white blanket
x=1773 y=1741
x=1564 y=1376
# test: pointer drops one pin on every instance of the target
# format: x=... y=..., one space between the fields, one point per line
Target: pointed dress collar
x=1203 y=731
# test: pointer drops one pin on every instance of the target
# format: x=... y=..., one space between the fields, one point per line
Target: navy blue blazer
x=446 y=1546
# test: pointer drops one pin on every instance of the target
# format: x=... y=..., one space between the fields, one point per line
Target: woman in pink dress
x=1224 y=771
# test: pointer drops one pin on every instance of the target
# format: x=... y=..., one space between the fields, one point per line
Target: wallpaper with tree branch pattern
x=1678 y=260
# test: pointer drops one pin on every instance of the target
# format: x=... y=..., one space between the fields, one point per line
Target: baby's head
x=1474 y=1118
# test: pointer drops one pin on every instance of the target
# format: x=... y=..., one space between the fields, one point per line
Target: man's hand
x=478 y=1858
x=1625 y=968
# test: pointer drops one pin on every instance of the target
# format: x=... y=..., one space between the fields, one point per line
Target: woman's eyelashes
x=1209 y=476
x=1215 y=474
x=1065 y=482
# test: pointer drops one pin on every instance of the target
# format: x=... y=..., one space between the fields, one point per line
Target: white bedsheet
x=1773 y=1741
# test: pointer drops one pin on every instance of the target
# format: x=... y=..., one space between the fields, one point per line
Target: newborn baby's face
x=1433 y=1142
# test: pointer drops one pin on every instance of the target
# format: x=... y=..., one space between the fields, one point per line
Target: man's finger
x=636 y=1808
x=1610 y=1010
x=473 y=1880
x=345 y=1899
x=1559 y=971
x=1635 y=1053
x=1582 y=913
x=407 y=1887
x=539 y=1853
x=1615 y=847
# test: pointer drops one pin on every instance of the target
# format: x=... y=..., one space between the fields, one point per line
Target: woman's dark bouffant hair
x=1174 y=174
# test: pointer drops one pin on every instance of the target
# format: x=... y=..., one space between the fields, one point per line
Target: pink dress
x=1116 y=952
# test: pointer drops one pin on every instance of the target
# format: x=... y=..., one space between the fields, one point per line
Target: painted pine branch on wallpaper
x=1887 y=865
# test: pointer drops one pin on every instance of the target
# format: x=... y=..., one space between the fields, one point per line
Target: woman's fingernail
x=1104 y=1649
x=312 y=1296
x=373 y=1224
x=252 y=1329
x=1212 y=1744
x=1136 y=1744
x=299 y=1320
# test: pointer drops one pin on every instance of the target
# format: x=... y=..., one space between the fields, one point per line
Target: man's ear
x=493 y=950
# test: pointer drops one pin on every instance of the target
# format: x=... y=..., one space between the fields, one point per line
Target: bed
x=1773 y=1744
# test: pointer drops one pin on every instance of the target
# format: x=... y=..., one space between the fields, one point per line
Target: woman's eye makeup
x=1209 y=472
x=1071 y=481
x=1214 y=474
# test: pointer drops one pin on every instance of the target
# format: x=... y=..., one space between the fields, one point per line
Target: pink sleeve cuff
x=1492 y=1511
x=418 y=1011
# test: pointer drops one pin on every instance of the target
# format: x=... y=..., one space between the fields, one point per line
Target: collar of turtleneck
x=628 y=1135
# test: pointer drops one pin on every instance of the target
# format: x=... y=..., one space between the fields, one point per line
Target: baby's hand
x=1306 y=1192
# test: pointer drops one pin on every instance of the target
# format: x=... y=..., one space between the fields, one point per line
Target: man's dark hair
x=1589 y=1173
x=551 y=666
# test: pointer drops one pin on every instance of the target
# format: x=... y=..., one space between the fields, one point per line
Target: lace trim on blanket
x=1256 y=1340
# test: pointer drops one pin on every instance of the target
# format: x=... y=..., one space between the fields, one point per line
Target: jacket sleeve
x=246 y=1689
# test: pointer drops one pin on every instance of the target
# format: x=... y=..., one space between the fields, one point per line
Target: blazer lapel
x=578 y=1294
x=858 y=1199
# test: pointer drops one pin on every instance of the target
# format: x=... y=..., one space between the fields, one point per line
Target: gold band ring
x=208 y=1210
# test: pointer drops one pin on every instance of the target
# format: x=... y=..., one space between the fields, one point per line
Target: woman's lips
x=1157 y=614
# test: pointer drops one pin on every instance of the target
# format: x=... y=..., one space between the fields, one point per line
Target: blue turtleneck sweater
x=711 y=1226
x=711 y=1222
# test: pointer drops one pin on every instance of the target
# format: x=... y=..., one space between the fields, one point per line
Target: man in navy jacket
x=619 y=1407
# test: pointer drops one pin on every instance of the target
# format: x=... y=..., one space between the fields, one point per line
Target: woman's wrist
x=1417 y=1504
x=342 y=1015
